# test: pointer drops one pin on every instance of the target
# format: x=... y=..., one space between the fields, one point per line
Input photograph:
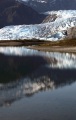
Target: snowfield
x=45 y=31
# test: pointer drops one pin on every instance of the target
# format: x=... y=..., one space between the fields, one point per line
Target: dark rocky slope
x=15 y=13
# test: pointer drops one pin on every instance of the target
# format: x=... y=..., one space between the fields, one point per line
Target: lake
x=37 y=85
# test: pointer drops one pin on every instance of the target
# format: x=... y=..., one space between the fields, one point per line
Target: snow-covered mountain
x=47 y=5
x=50 y=30
x=53 y=27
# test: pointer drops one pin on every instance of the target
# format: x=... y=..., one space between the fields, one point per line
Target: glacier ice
x=46 y=31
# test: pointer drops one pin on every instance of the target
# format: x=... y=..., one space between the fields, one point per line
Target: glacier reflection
x=65 y=60
x=25 y=72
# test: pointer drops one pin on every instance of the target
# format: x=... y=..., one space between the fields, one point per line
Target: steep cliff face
x=16 y=13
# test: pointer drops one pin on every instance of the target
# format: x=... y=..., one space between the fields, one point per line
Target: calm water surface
x=37 y=85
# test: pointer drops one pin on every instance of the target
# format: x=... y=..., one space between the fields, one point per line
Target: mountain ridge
x=49 y=5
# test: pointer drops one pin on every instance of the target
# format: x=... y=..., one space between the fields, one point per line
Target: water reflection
x=24 y=72
x=64 y=60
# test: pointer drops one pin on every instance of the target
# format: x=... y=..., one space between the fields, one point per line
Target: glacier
x=51 y=31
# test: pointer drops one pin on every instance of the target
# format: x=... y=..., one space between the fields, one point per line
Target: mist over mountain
x=16 y=13
x=48 y=5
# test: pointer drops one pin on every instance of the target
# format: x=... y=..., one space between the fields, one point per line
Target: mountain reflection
x=24 y=72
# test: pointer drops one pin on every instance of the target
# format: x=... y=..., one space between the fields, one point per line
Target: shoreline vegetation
x=67 y=45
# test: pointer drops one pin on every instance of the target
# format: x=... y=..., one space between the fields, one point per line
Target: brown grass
x=20 y=42
x=36 y=42
x=64 y=43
